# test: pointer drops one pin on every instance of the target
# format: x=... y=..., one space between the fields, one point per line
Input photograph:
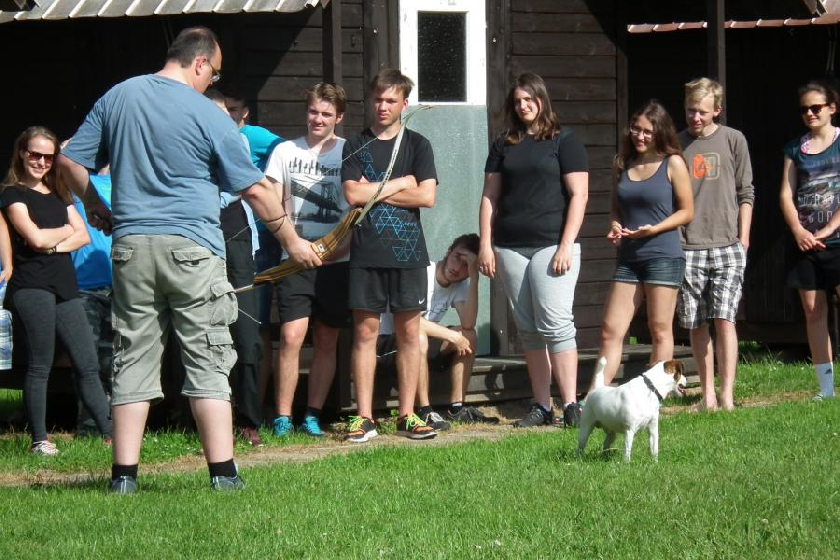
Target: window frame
x=476 y=57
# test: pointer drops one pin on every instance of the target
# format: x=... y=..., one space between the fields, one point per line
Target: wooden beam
x=622 y=72
x=716 y=45
x=380 y=40
x=502 y=333
x=332 y=47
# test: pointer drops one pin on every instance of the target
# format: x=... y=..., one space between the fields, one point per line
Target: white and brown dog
x=630 y=407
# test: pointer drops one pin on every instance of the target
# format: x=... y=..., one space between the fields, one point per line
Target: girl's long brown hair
x=664 y=137
x=16 y=170
x=548 y=126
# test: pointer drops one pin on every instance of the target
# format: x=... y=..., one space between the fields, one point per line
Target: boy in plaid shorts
x=716 y=241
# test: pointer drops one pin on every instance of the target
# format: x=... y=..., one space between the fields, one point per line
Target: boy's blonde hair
x=699 y=89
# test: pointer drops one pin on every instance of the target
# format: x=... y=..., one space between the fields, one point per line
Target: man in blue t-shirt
x=170 y=151
x=93 y=273
x=261 y=143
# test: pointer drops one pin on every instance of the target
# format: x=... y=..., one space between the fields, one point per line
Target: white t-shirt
x=439 y=300
x=314 y=183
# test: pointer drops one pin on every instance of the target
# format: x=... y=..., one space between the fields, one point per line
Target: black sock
x=123 y=470
x=423 y=410
x=316 y=412
x=225 y=468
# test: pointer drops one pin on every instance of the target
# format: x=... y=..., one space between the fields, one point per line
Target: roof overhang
x=28 y=10
x=747 y=15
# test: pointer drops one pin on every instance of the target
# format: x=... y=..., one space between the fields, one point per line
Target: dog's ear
x=674 y=368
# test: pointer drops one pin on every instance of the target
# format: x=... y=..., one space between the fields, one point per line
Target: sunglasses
x=35 y=156
x=813 y=109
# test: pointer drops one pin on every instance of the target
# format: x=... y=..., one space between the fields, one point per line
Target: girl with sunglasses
x=809 y=200
x=43 y=290
x=651 y=198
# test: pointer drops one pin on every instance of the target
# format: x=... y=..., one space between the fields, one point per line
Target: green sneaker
x=413 y=427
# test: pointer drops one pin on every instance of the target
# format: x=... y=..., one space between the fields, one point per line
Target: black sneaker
x=361 y=429
x=471 y=415
x=123 y=485
x=537 y=416
x=436 y=421
x=571 y=415
x=413 y=427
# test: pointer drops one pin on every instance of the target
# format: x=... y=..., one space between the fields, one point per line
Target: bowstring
x=370 y=203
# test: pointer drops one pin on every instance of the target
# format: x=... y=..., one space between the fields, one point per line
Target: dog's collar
x=652 y=387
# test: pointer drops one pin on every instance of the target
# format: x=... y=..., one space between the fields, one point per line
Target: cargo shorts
x=164 y=282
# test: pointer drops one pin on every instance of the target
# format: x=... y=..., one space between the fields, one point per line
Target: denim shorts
x=664 y=271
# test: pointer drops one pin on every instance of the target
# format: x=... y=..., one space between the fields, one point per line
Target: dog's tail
x=598 y=377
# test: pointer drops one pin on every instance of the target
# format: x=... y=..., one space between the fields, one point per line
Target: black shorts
x=375 y=289
x=320 y=293
x=815 y=270
x=386 y=353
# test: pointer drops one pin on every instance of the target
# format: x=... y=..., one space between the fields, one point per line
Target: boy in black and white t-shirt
x=388 y=255
x=307 y=171
x=452 y=283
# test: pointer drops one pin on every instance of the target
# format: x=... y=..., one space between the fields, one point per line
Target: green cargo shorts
x=164 y=282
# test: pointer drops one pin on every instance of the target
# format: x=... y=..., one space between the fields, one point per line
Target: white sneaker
x=45 y=447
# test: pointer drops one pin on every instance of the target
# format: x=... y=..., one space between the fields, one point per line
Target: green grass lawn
x=761 y=482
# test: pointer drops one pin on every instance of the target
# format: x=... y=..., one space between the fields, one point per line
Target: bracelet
x=50 y=251
x=283 y=217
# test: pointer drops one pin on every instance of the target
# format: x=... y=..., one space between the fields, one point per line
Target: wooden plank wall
x=279 y=56
x=570 y=43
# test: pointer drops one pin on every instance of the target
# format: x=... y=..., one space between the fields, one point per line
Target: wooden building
x=63 y=54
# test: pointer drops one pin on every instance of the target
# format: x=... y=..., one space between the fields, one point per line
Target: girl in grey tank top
x=647 y=201
x=652 y=197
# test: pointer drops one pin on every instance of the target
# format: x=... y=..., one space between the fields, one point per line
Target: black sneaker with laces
x=436 y=421
x=471 y=415
x=361 y=429
x=537 y=416
x=571 y=415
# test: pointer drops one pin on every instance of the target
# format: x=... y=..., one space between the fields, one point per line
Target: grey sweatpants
x=541 y=300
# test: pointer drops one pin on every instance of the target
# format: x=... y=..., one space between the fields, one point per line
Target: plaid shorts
x=712 y=285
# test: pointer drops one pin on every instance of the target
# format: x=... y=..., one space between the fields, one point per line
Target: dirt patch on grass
x=334 y=444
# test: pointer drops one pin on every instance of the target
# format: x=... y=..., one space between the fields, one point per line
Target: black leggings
x=42 y=317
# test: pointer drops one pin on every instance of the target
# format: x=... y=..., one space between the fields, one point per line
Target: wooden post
x=716 y=45
x=381 y=41
x=332 y=46
x=502 y=333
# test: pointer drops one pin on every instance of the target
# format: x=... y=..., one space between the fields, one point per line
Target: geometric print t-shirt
x=389 y=237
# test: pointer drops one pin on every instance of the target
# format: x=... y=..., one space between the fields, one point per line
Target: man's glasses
x=813 y=109
x=216 y=74
x=641 y=132
x=36 y=156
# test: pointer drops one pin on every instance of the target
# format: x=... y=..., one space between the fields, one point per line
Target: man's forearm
x=77 y=179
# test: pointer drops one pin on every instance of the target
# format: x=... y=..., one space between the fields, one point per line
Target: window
x=442 y=56
x=442 y=48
